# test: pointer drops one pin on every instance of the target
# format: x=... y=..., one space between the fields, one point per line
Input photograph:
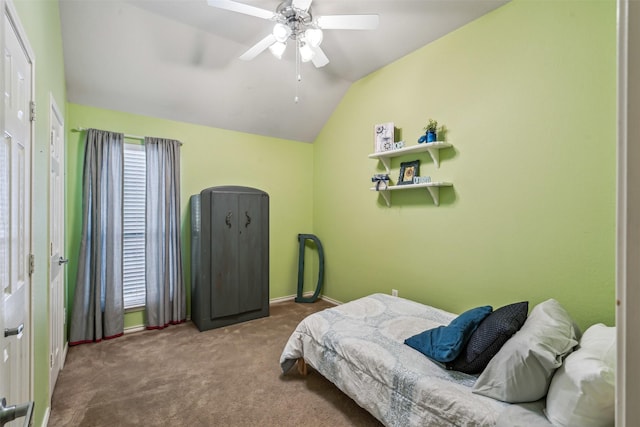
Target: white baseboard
x=64 y=355
x=282 y=299
x=304 y=294
x=140 y=328
x=132 y=329
x=331 y=300
x=45 y=420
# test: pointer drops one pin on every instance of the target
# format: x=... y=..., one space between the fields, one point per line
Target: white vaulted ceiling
x=178 y=59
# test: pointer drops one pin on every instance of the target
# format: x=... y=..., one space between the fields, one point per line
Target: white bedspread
x=359 y=346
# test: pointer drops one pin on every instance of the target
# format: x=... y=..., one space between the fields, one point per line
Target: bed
x=541 y=373
x=359 y=346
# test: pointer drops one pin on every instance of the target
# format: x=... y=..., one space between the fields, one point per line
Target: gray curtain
x=166 y=303
x=98 y=310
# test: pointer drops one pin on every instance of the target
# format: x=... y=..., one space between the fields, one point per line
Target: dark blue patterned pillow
x=489 y=337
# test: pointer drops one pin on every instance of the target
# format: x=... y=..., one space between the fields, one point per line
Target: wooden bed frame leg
x=302 y=367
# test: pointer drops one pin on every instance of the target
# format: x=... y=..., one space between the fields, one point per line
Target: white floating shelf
x=433 y=148
x=432 y=187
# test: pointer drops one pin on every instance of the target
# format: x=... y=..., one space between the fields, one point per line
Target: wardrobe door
x=225 y=292
x=250 y=252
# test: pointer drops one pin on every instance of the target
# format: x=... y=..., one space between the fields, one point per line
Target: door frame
x=56 y=114
x=10 y=11
x=628 y=216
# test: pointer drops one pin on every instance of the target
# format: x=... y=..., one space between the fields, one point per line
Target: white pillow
x=582 y=392
x=521 y=371
x=530 y=414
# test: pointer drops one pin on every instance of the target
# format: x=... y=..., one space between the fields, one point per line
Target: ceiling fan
x=294 y=21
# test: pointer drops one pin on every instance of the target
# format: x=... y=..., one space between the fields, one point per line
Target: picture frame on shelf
x=383 y=137
x=407 y=171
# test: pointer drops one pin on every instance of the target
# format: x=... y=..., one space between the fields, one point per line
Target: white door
x=15 y=218
x=56 y=244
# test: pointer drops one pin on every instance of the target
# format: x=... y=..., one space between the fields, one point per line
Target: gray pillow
x=522 y=369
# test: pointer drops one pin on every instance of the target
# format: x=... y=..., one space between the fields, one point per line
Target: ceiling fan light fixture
x=306 y=53
x=313 y=36
x=277 y=49
x=281 y=32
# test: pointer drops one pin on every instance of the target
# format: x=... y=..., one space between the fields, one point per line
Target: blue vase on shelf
x=431 y=136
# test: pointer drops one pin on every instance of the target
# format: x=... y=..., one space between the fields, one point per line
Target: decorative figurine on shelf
x=421 y=179
x=431 y=132
x=381 y=178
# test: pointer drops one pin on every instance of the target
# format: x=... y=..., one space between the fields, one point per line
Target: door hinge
x=50 y=360
x=32 y=264
x=32 y=111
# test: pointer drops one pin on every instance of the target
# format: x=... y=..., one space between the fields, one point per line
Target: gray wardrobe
x=229 y=256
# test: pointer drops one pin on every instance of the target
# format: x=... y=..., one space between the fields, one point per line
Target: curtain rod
x=126 y=135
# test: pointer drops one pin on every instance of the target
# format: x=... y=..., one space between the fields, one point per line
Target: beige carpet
x=182 y=377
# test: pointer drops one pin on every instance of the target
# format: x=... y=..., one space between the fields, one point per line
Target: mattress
x=359 y=346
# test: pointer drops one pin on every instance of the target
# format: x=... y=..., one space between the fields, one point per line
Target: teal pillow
x=444 y=343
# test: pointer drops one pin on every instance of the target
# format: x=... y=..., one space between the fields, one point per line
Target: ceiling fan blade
x=319 y=59
x=301 y=4
x=348 y=22
x=234 y=6
x=258 y=48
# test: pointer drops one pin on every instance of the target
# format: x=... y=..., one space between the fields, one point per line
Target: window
x=134 y=225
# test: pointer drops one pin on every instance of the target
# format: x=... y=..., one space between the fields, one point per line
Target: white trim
x=140 y=328
x=282 y=299
x=64 y=355
x=621 y=218
x=133 y=329
x=331 y=300
x=12 y=13
x=628 y=217
x=306 y=295
x=47 y=414
x=56 y=115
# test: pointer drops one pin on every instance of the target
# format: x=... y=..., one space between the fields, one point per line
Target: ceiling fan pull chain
x=298 y=73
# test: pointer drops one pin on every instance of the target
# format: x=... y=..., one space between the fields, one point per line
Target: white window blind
x=134 y=225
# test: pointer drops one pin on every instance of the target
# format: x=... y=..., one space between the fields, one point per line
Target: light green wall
x=41 y=22
x=209 y=157
x=527 y=94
